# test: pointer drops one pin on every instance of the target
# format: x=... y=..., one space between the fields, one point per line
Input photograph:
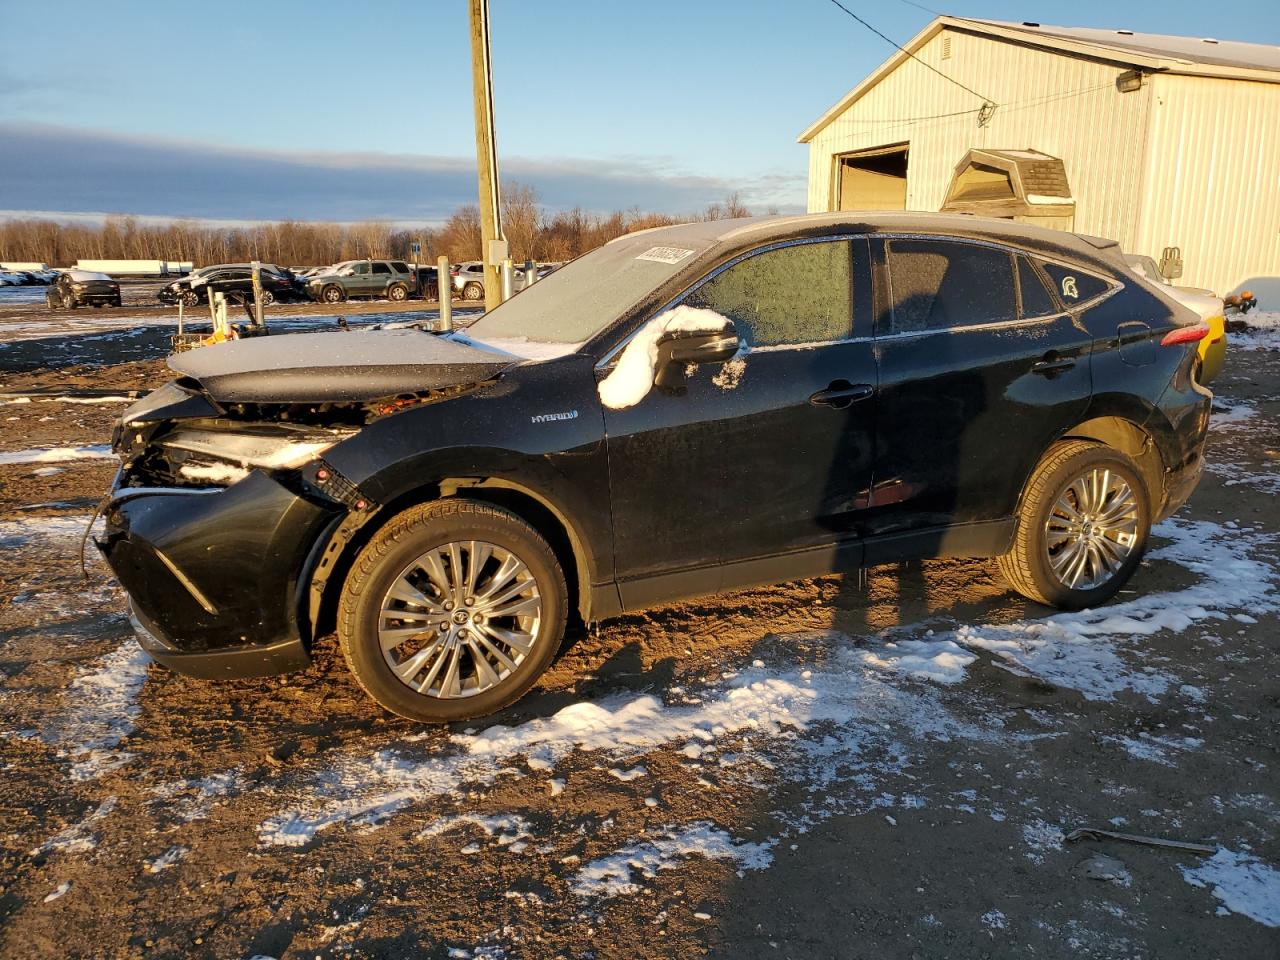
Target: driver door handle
x=1052 y=364
x=841 y=394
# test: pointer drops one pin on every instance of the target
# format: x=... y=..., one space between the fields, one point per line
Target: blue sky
x=354 y=111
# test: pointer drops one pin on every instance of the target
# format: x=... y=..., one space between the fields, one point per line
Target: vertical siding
x=1212 y=183
x=1064 y=106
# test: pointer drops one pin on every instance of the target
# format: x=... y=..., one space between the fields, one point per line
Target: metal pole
x=444 y=287
x=530 y=272
x=256 y=267
x=486 y=149
x=179 y=316
x=508 y=280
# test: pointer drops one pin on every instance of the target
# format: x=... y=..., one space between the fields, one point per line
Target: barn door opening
x=872 y=179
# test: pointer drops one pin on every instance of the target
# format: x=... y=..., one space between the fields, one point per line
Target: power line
x=944 y=76
x=918 y=6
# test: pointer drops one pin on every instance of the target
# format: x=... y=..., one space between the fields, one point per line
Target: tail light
x=1189 y=334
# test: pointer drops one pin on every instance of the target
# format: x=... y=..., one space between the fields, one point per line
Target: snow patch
x=57 y=454
x=632 y=378
x=614 y=875
x=220 y=473
x=1242 y=883
x=942 y=661
x=100 y=706
x=1080 y=650
x=170 y=858
x=510 y=831
x=79 y=837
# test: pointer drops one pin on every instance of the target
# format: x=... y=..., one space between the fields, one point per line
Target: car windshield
x=573 y=303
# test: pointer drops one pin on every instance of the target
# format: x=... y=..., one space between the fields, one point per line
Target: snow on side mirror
x=660 y=350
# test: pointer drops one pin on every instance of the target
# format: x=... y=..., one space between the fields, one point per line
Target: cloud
x=63 y=169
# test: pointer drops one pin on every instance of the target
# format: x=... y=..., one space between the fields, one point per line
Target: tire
x=268 y=298
x=69 y=301
x=473 y=291
x=397 y=292
x=190 y=298
x=333 y=294
x=1076 y=563
x=413 y=554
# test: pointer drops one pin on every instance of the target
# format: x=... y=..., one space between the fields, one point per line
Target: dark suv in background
x=233 y=278
x=683 y=411
x=82 y=288
x=389 y=279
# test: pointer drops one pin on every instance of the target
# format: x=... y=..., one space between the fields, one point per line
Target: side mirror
x=676 y=348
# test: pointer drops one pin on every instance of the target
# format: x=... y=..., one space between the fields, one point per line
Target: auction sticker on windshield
x=665 y=254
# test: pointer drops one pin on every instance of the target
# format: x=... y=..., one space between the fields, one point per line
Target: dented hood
x=324 y=367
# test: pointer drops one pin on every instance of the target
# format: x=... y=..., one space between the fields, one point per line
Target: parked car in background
x=392 y=279
x=1210 y=307
x=680 y=412
x=468 y=278
x=82 y=288
x=233 y=278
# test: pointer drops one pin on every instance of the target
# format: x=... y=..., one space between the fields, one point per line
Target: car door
x=379 y=278
x=760 y=458
x=980 y=369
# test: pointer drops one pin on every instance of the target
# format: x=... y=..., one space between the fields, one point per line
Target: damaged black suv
x=681 y=412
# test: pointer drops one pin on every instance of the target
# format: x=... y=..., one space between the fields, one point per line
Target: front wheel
x=190 y=298
x=268 y=298
x=1082 y=527
x=333 y=294
x=453 y=610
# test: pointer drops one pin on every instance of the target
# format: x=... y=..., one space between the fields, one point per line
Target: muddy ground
x=818 y=769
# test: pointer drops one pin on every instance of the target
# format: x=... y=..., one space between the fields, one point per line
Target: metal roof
x=1153 y=53
x=1208 y=51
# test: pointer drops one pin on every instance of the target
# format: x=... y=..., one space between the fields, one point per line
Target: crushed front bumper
x=216 y=578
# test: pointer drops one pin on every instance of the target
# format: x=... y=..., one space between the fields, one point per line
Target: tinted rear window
x=1074 y=285
x=942 y=284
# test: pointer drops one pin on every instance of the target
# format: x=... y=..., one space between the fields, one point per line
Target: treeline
x=531 y=233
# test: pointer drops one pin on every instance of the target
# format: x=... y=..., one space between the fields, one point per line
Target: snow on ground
x=510 y=831
x=614 y=875
x=97 y=451
x=79 y=837
x=42 y=528
x=827 y=711
x=170 y=858
x=1242 y=883
x=632 y=377
x=1082 y=650
x=188 y=800
x=1263 y=334
x=97 y=712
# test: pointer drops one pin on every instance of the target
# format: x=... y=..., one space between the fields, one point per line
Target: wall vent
x=946 y=48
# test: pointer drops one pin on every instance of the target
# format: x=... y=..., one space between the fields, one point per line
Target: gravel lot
x=818 y=769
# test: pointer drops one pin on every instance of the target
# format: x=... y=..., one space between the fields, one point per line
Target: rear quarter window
x=1074 y=285
x=1036 y=299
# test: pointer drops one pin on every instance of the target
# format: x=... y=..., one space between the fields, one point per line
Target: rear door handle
x=841 y=394
x=1052 y=365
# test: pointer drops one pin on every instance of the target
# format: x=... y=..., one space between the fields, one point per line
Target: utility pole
x=486 y=156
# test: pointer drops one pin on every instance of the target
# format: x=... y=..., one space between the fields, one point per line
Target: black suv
x=681 y=412
x=82 y=288
x=235 y=279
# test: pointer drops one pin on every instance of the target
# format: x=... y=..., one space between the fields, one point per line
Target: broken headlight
x=270 y=451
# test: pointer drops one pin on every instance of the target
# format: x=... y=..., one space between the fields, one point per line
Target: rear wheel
x=453 y=610
x=268 y=298
x=1082 y=527
x=397 y=292
x=472 y=291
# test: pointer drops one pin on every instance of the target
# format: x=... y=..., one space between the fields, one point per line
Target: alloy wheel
x=1092 y=529
x=459 y=619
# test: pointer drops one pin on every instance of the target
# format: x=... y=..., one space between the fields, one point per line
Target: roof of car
x=754 y=230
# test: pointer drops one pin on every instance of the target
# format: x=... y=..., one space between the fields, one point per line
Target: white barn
x=1154 y=141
